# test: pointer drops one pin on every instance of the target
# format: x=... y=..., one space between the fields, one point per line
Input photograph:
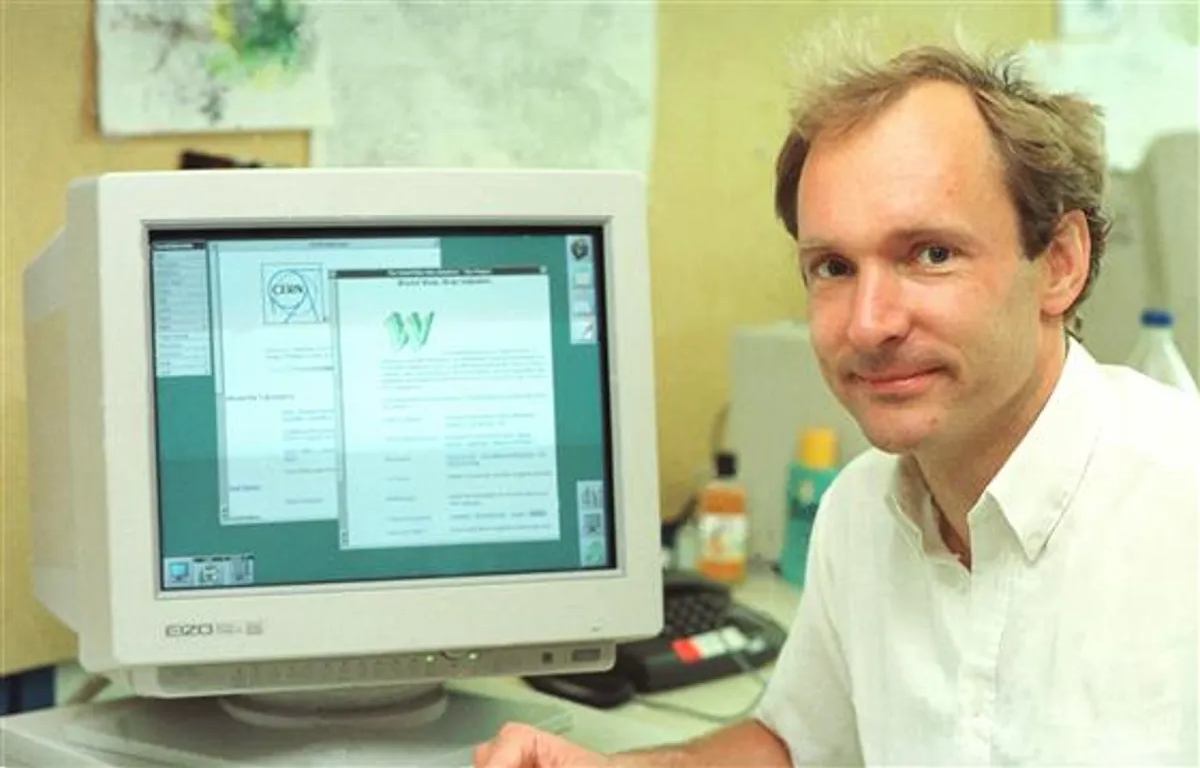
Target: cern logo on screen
x=293 y=293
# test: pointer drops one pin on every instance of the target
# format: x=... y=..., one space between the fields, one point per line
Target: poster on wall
x=166 y=66
x=505 y=84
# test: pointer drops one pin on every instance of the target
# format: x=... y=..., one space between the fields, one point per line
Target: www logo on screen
x=409 y=331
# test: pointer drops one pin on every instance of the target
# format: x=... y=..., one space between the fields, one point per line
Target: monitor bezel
x=483 y=611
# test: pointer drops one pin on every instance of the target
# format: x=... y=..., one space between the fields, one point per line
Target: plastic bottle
x=723 y=524
x=1156 y=354
x=809 y=476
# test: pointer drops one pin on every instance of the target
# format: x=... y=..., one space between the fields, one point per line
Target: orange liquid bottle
x=723 y=524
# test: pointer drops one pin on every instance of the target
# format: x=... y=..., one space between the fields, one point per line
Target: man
x=1011 y=577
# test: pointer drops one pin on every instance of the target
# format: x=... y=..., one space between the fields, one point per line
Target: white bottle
x=1156 y=354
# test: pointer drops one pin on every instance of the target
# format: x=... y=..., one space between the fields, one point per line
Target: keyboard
x=706 y=636
x=692 y=614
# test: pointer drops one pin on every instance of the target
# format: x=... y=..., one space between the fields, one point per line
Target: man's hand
x=523 y=746
x=736 y=746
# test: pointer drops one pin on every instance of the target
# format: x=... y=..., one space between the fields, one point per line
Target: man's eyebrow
x=812 y=246
x=949 y=234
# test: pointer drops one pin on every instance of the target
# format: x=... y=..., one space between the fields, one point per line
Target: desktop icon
x=209 y=574
x=241 y=570
x=582 y=304
x=179 y=573
x=593 y=553
x=583 y=329
x=581 y=247
x=589 y=495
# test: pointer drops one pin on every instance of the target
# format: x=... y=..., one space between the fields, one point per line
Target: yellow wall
x=719 y=259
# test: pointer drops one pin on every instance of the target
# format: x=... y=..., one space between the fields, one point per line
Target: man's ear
x=1066 y=264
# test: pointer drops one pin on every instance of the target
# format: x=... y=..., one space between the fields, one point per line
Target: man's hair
x=1051 y=145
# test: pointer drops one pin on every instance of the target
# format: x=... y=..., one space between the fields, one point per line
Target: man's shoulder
x=854 y=519
x=864 y=482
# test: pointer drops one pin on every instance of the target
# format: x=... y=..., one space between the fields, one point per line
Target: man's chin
x=890 y=436
x=896 y=446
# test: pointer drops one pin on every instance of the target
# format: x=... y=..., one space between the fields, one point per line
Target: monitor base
x=202 y=732
x=390 y=706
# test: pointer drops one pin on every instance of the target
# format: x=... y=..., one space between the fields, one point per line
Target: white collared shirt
x=1071 y=641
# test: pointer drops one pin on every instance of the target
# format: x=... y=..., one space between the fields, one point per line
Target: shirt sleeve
x=808 y=702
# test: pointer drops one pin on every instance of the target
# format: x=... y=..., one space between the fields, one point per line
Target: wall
x=719 y=259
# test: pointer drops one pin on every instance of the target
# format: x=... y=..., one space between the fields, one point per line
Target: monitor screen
x=351 y=405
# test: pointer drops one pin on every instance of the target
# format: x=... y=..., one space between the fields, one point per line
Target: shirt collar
x=1036 y=484
x=910 y=502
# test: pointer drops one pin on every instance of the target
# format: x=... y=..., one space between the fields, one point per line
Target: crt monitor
x=318 y=431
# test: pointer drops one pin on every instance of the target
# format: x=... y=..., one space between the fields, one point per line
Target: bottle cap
x=1157 y=318
x=816 y=447
x=726 y=464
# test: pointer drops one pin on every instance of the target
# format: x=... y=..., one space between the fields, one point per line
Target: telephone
x=706 y=636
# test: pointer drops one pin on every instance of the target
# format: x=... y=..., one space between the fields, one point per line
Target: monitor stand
x=411 y=726
x=399 y=707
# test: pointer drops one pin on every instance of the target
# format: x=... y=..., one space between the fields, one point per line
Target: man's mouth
x=896 y=383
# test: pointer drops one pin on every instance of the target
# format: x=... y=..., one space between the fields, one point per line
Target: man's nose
x=878 y=315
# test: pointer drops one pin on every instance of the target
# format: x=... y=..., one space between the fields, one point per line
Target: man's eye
x=831 y=267
x=935 y=255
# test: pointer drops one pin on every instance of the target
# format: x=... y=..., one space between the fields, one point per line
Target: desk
x=37 y=738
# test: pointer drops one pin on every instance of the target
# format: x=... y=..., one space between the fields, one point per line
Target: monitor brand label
x=211 y=628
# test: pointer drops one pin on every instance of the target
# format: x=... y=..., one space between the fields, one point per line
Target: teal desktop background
x=307 y=552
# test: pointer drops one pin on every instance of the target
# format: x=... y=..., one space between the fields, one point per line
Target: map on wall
x=167 y=66
x=504 y=84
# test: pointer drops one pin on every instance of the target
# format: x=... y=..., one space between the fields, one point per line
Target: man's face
x=925 y=316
